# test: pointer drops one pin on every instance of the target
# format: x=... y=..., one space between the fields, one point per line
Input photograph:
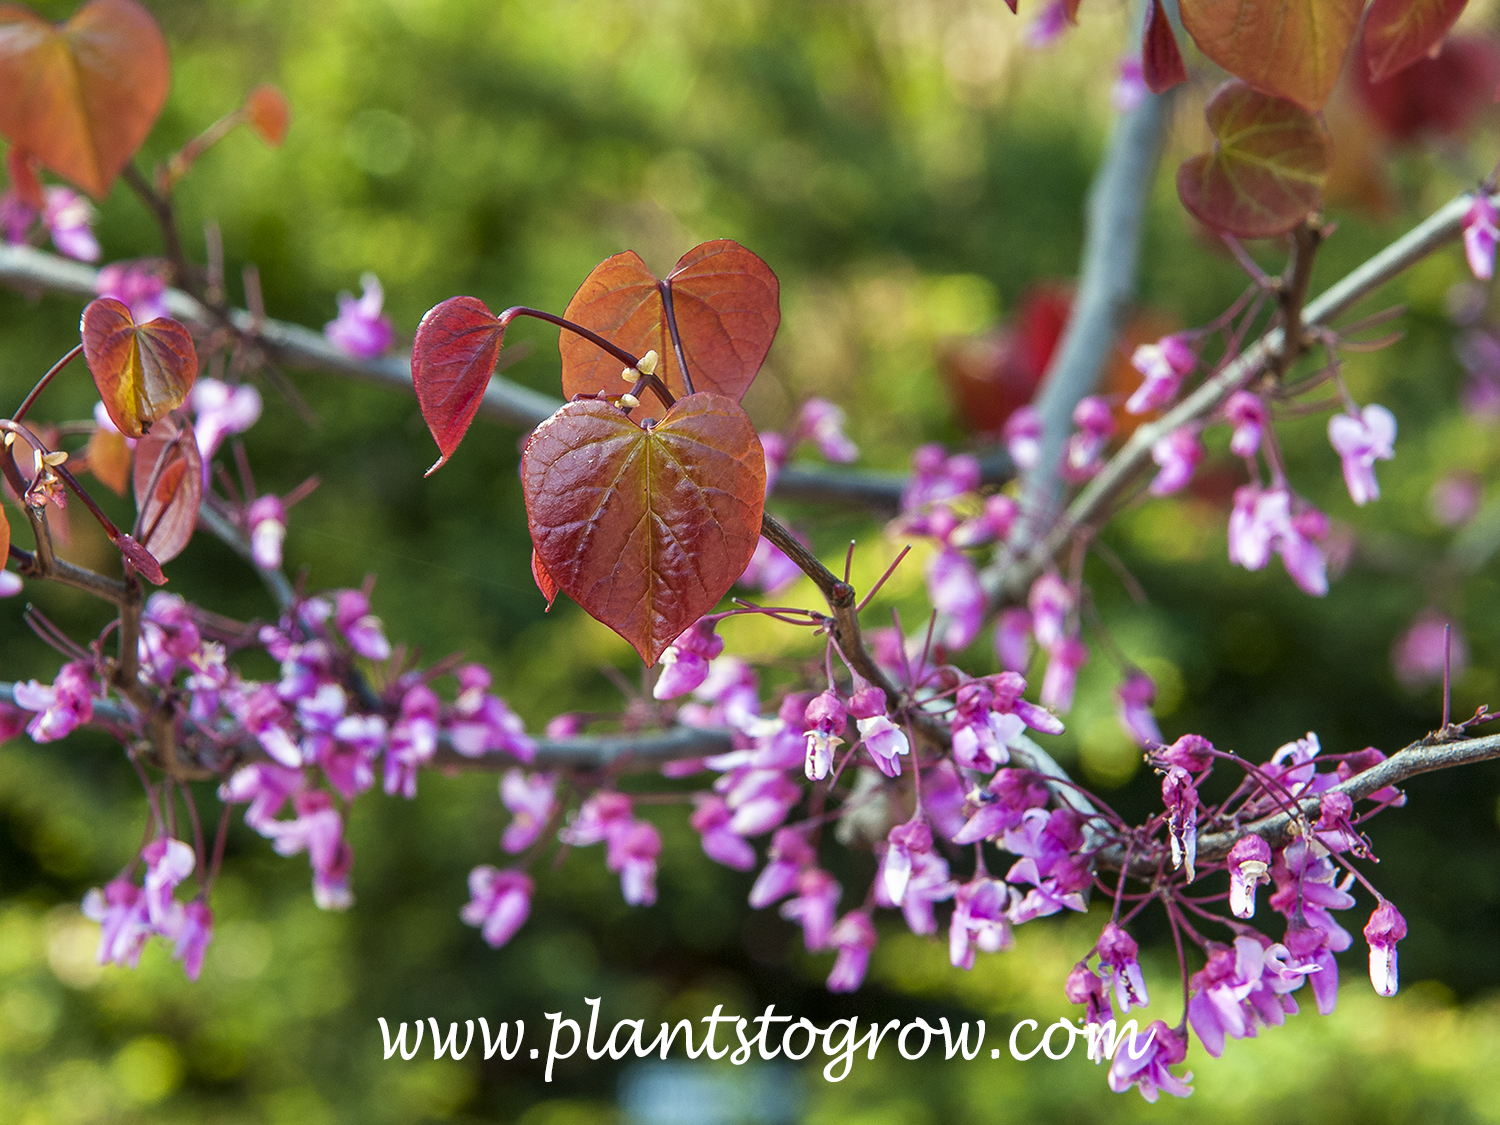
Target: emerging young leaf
x=1161 y=59
x=1267 y=168
x=1287 y=48
x=646 y=528
x=1399 y=32
x=143 y=371
x=267 y=112
x=82 y=97
x=168 y=480
x=452 y=359
x=727 y=304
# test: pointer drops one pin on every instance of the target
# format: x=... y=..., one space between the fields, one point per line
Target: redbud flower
x=1084 y=986
x=1249 y=867
x=936 y=476
x=360 y=627
x=769 y=569
x=1149 y=1071
x=69 y=218
x=825 y=719
x=1385 y=928
x=124 y=927
x=1130 y=87
x=1048 y=27
x=905 y=842
x=1067 y=656
x=531 y=799
x=817 y=896
x=993 y=522
x=499 y=902
x=953 y=587
x=979 y=921
x=1023 y=438
x=1013 y=639
x=1247 y=413
x=1480 y=235
x=61 y=707
x=854 y=938
x=1360 y=441
x=267 y=525
x=1455 y=498
x=632 y=853
x=823 y=422
x=221 y=410
x=1178 y=454
x=789 y=854
x=1096 y=425
x=1050 y=601
x=711 y=820
x=1119 y=954
x=1181 y=799
x=360 y=329
x=1133 y=699
x=881 y=737
x=138 y=285
x=194 y=931
x=10 y=584
x=1163 y=366
x=685 y=662
x=1420 y=654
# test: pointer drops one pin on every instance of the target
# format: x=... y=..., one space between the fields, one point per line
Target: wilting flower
x=499 y=902
x=361 y=329
x=1360 y=441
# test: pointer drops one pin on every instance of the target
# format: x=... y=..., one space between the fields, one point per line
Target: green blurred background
x=909 y=168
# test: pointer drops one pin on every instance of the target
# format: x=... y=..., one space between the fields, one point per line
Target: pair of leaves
x=1267 y=168
x=142 y=371
x=1294 y=49
x=645 y=528
x=82 y=97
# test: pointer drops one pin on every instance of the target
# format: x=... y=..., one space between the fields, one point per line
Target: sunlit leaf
x=1290 y=49
x=143 y=371
x=544 y=581
x=1161 y=59
x=1267 y=168
x=83 y=96
x=109 y=459
x=727 y=304
x=1399 y=32
x=168 y=480
x=452 y=360
x=645 y=528
x=267 y=112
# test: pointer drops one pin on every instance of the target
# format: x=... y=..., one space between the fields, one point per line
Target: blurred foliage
x=909 y=168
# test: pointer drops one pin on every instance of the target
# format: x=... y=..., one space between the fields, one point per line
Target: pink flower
x=1013 y=639
x=1084 y=986
x=1096 y=425
x=1023 y=438
x=1130 y=87
x=1067 y=656
x=1048 y=27
x=481 y=723
x=711 y=820
x=360 y=627
x=1148 y=1072
x=1247 y=413
x=993 y=522
x=927 y=884
x=1455 y=498
x=632 y=854
x=124 y=926
x=1249 y=867
x=936 y=476
x=1133 y=699
x=854 y=938
x=903 y=844
x=221 y=410
x=823 y=422
x=1051 y=601
x=600 y=817
x=1119 y=954
x=267 y=788
x=1181 y=799
x=69 y=218
x=1420 y=654
x=138 y=285
x=413 y=742
x=10 y=586
x=685 y=663
x=1262 y=520
x=360 y=329
x=318 y=830
x=267 y=525
x=789 y=854
x=1003 y=805
x=61 y=707
x=882 y=738
x=1385 y=928
x=826 y=719
x=1480 y=235
x=193 y=933
x=1162 y=365
x=817 y=896
x=1178 y=454
x=770 y=569
x=979 y=921
x=168 y=862
x=953 y=587
x=531 y=799
x=1360 y=441
x=499 y=902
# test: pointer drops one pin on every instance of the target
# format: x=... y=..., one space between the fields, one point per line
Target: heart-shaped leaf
x=727 y=304
x=82 y=97
x=646 y=528
x=168 y=481
x=1161 y=58
x=1291 y=49
x=1267 y=168
x=143 y=371
x=1399 y=32
x=452 y=359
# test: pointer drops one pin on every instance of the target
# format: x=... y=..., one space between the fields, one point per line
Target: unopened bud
x=647 y=365
x=629 y=402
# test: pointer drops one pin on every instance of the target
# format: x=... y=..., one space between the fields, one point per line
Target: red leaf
x=142 y=371
x=1439 y=95
x=109 y=459
x=168 y=482
x=1267 y=168
x=544 y=581
x=21 y=166
x=1289 y=49
x=267 y=112
x=1400 y=32
x=82 y=97
x=140 y=560
x=452 y=359
x=1161 y=60
x=727 y=304
x=645 y=528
